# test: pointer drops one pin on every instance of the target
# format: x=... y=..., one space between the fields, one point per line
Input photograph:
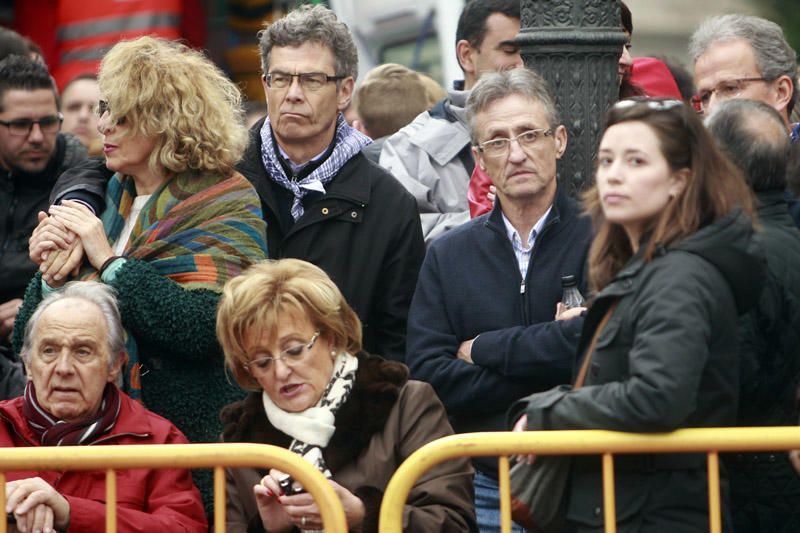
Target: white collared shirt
x=523 y=252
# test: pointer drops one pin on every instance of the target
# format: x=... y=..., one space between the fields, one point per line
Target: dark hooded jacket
x=667 y=359
x=22 y=196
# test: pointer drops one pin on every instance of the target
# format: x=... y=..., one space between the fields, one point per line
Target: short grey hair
x=94 y=292
x=494 y=86
x=774 y=56
x=308 y=24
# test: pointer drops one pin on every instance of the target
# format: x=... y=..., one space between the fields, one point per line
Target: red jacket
x=147 y=500
x=75 y=34
x=477 y=194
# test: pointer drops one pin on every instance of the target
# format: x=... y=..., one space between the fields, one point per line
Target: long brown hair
x=713 y=188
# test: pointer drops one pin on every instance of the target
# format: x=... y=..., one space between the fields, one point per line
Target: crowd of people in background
x=352 y=271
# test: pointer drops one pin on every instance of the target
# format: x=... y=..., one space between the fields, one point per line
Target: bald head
x=753 y=135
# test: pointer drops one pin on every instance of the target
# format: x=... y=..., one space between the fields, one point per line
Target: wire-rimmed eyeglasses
x=290 y=356
x=725 y=90
x=500 y=146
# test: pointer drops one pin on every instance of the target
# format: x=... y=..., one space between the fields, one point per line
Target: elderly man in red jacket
x=73 y=352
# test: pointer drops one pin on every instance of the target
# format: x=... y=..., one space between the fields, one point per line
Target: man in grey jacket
x=431 y=156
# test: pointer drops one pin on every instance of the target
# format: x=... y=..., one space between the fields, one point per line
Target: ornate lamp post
x=575 y=45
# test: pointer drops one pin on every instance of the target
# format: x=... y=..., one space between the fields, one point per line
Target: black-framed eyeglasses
x=290 y=356
x=500 y=146
x=725 y=90
x=22 y=127
x=313 y=81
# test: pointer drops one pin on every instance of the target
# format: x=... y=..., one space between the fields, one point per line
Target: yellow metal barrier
x=711 y=441
x=216 y=456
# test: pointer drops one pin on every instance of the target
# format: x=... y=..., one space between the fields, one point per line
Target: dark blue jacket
x=470 y=285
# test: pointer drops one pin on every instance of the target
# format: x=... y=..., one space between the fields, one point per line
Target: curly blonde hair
x=165 y=89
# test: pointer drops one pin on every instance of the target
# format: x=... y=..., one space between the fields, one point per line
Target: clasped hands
x=63 y=238
x=37 y=507
x=281 y=512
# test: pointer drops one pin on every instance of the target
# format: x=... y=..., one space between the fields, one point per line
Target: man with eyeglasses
x=32 y=155
x=483 y=327
x=742 y=56
x=323 y=200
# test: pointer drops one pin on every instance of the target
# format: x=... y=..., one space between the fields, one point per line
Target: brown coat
x=385 y=420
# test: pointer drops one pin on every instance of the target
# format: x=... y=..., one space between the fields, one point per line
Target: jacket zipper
x=523 y=284
x=523 y=287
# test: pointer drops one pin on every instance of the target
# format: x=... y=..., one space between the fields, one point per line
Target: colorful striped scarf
x=197 y=230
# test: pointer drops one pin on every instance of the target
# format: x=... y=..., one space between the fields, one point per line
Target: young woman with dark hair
x=673 y=263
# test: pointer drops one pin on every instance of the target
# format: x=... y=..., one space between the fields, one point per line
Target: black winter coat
x=667 y=359
x=22 y=196
x=765 y=490
x=364 y=232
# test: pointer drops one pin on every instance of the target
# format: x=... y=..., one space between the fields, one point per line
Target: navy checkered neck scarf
x=53 y=432
x=347 y=143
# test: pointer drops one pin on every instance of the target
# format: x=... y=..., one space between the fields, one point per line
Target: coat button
x=325 y=211
x=354 y=214
x=597 y=511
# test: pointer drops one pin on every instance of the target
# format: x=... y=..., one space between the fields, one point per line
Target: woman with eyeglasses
x=673 y=263
x=179 y=221
x=291 y=338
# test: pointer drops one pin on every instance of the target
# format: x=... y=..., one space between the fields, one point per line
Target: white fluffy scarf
x=313 y=428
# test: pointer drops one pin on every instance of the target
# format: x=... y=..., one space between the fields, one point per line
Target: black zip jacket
x=22 y=196
x=470 y=285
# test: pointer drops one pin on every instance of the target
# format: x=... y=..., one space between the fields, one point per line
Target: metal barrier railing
x=215 y=456
x=586 y=442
